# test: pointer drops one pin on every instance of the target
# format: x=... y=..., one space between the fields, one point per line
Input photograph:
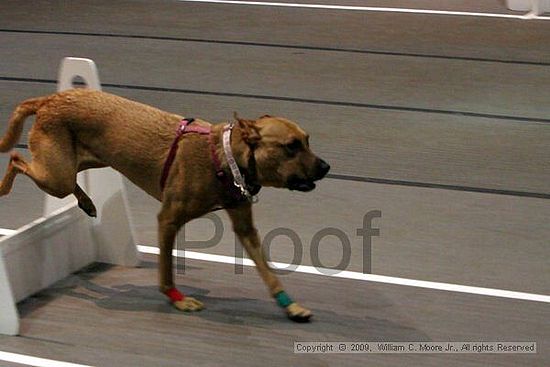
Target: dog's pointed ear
x=249 y=131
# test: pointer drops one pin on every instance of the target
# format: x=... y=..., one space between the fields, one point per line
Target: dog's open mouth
x=300 y=184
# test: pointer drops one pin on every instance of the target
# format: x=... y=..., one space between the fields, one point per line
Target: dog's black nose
x=322 y=169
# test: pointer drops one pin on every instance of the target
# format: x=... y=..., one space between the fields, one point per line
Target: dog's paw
x=297 y=313
x=188 y=304
x=89 y=208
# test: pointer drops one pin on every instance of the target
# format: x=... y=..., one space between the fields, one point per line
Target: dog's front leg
x=243 y=226
x=170 y=220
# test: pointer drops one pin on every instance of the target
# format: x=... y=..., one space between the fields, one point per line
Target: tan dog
x=80 y=129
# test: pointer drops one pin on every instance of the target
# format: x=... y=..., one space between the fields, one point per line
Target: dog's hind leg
x=54 y=181
x=19 y=165
x=53 y=165
x=7 y=182
x=12 y=135
x=243 y=226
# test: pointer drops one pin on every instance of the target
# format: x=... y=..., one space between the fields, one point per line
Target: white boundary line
x=43 y=362
x=358 y=276
x=35 y=361
x=370 y=8
x=345 y=274
x=6 y=232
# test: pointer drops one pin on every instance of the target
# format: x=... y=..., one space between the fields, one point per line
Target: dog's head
x=279 y=150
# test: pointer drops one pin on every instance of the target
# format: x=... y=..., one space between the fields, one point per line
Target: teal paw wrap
x=283 y=300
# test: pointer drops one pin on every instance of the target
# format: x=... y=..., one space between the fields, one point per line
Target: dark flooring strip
x=429 y=185
x=298 y=100
x=439 y=186
x=274 y=45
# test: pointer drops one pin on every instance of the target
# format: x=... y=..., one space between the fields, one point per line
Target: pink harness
x=185 y=127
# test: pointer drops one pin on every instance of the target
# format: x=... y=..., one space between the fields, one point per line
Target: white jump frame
x=534 y=7
x=65 y=239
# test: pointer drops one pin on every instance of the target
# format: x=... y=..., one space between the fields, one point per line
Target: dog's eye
x=294 y=146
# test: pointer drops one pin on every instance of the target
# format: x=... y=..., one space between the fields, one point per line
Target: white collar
x=238 y=179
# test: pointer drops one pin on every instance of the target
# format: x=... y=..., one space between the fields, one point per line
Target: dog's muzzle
x=307 y=184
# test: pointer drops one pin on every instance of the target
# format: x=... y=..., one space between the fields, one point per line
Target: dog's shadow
x=231 y=310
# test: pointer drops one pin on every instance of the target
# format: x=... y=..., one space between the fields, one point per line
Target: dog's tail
x=15 y=125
